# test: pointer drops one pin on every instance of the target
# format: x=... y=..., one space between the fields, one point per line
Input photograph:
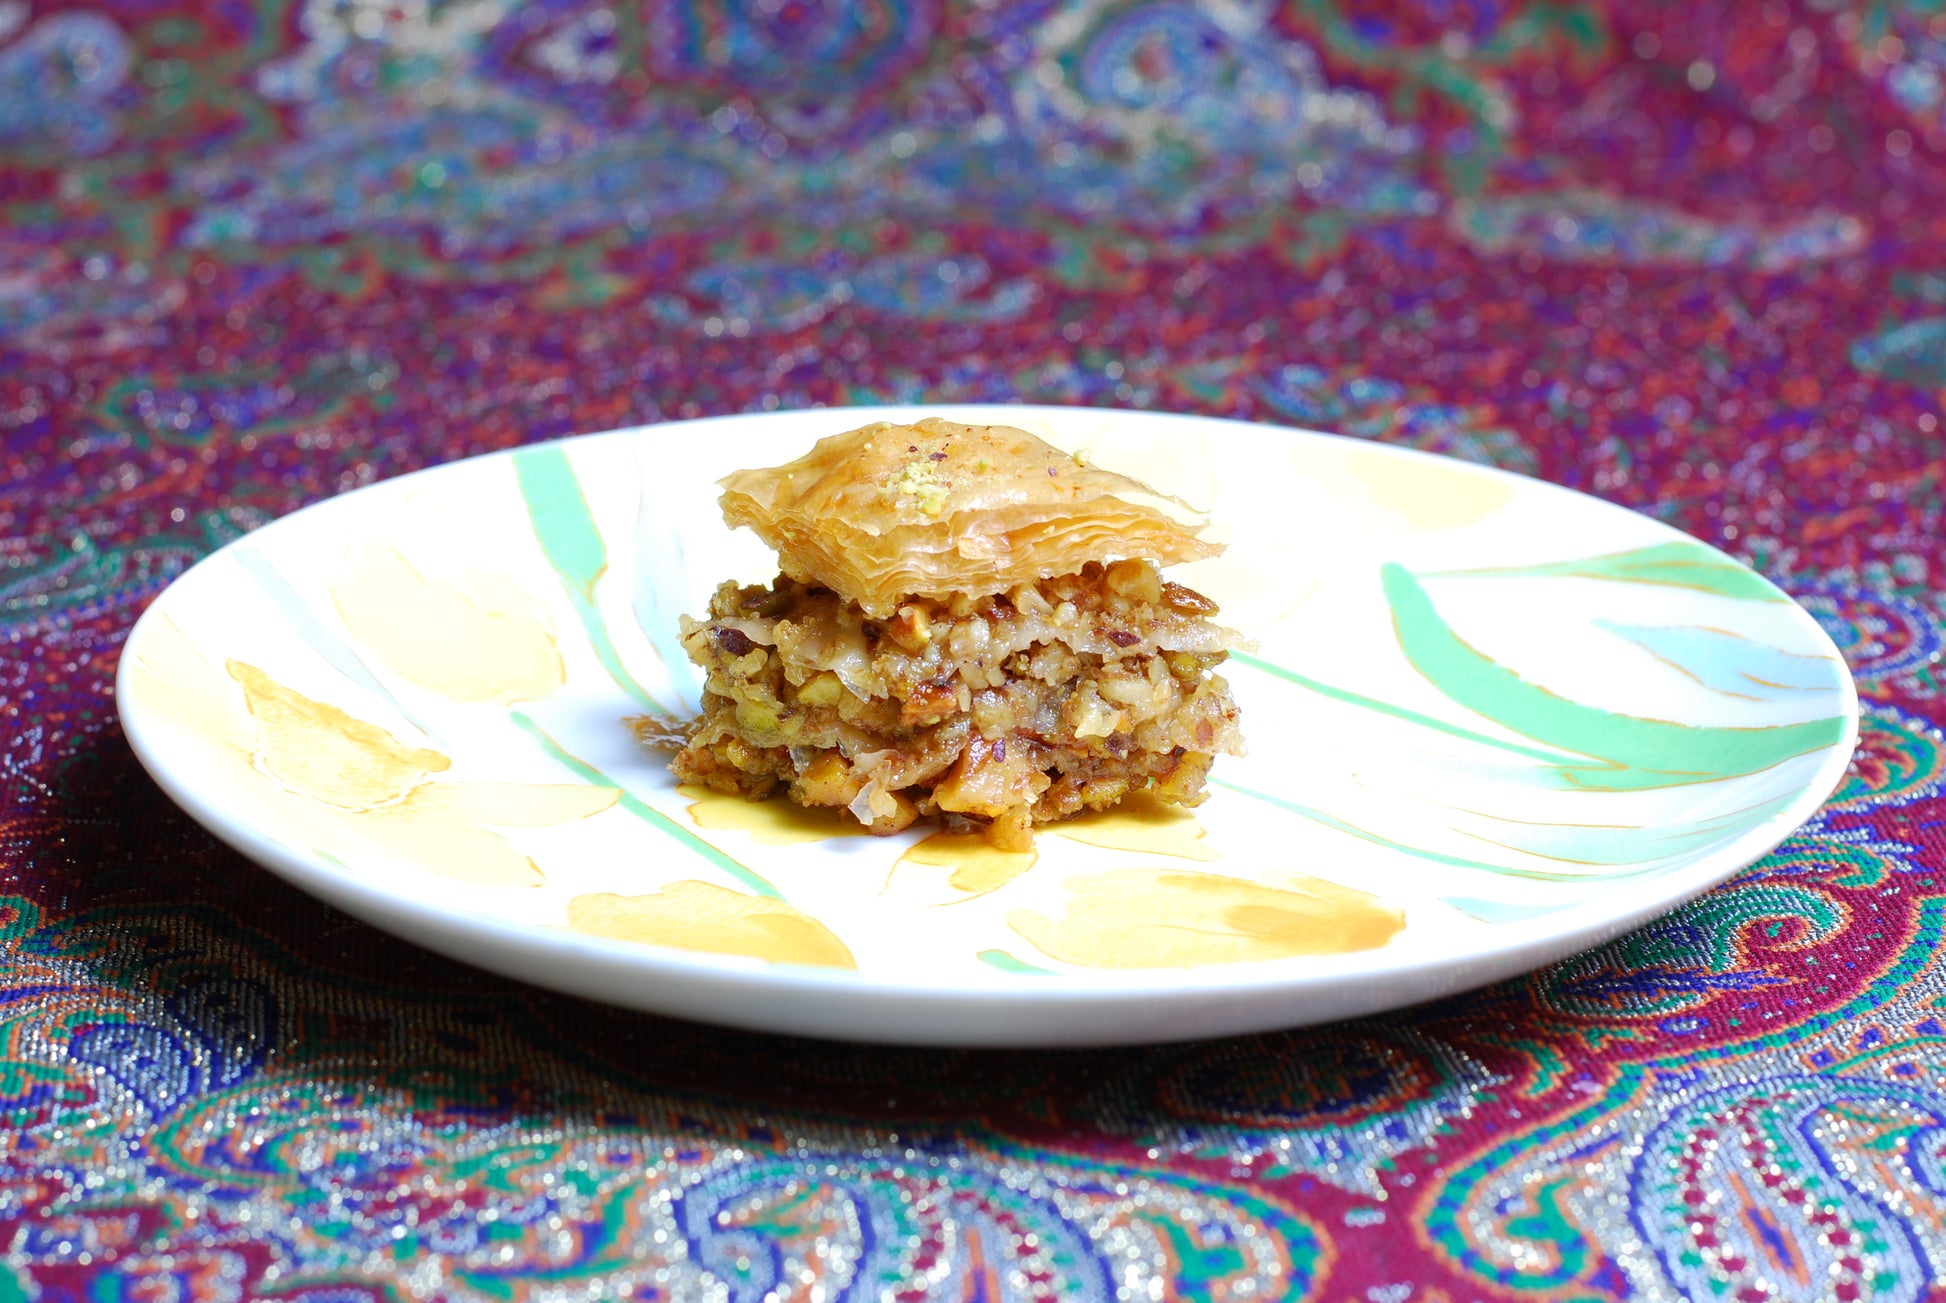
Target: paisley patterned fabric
x=1685 y=257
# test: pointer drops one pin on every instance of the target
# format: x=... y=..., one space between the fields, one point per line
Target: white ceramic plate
x=1491 y=722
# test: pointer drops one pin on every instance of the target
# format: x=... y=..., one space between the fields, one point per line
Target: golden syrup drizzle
x=1171 y=918
x=1141 y=824
x=717 y=920
x=776 y=822
x=977 y=867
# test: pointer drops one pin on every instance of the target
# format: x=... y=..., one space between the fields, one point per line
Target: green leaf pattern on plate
x=1627 y=753
x=572 y=543
x=1677 y=564
x=1582 y=747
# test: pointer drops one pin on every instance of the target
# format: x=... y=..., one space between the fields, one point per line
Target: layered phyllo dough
x=970 y=626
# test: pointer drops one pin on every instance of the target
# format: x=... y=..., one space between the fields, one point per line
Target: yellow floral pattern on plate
x=481 y=641
x=326 y=778
x=1167 y=918
x=692 y=915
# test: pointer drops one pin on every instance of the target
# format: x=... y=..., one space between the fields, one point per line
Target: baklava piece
x=970 y=626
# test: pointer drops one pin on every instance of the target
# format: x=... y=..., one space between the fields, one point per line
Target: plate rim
x=1523 y=944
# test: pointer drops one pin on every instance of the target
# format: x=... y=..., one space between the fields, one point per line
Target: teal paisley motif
x=1914 y=353
x=1850 y=857
x=1810 y=1152
x=245 y=1083
x=1680 y=962
x=100 y=1049
x=1592 y=227
x=194 y=411
x=85 y=580
x=1373 y=407
x=744 y=1217
x=1901 y=759
x=58 y=83
x=1384 y=1093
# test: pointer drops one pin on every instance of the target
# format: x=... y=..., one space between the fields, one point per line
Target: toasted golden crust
x=938 y=509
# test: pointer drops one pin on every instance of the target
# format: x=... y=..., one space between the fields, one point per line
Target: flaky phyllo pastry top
x=939 y=508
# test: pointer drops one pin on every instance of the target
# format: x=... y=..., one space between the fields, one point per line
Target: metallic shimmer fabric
x=1688 y=257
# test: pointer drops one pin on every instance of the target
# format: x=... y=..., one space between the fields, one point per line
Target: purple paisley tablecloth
x=1687 y=257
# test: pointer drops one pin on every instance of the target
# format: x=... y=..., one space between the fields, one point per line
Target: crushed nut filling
x=993 y=713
